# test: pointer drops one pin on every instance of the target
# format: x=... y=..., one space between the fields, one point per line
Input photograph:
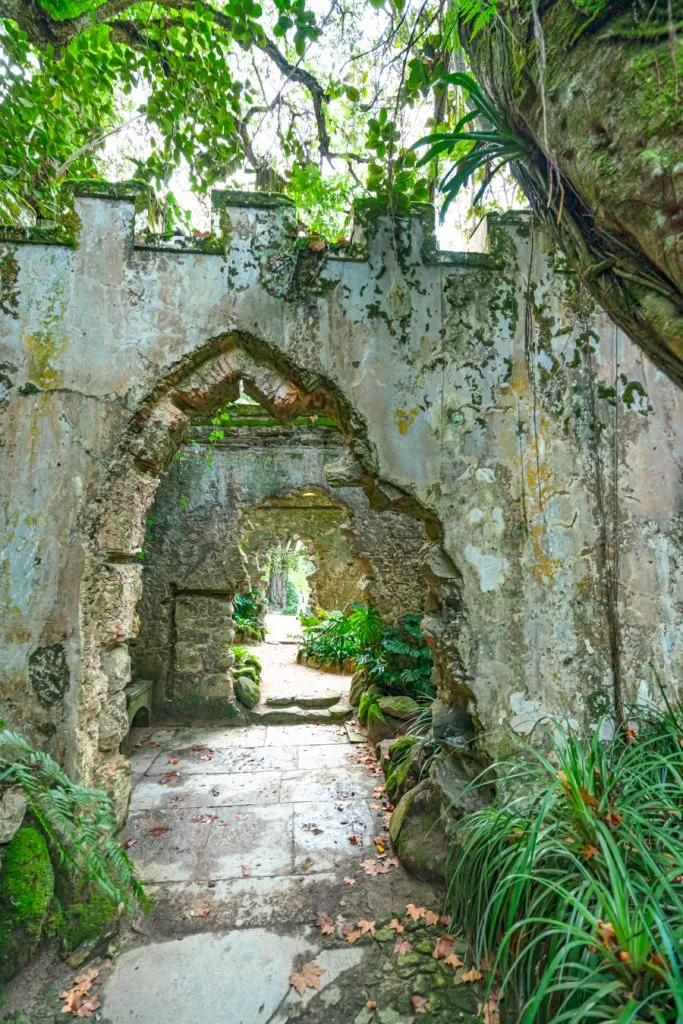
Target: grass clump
x=572 y=889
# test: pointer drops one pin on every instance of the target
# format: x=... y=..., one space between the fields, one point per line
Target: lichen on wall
x=479 y=394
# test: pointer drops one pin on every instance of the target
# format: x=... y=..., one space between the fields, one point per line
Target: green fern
x=78 y=822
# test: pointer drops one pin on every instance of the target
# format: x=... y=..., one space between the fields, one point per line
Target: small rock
x=12 y=810
x=94 y=947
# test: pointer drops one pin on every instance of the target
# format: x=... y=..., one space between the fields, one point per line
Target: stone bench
x=139 y=698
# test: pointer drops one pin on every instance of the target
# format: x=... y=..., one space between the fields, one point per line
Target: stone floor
x=265 y=849
x=281 y=674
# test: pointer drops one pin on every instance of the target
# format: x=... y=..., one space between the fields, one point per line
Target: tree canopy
x=578 y=99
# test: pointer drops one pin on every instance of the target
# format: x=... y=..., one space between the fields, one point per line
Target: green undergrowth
x=64 y=873
x=396 y=658
x=571 y=887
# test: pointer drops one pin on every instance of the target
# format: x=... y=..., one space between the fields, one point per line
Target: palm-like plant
x=488 y=148
x=575 y=897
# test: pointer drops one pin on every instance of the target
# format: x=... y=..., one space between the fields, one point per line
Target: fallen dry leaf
x=371 y=1004
x=246 y=871
x=379 y=845
x=453 y=960
x=415 y=912
x=128 y=843
x=472 y=975
x=443 y=948
x=241 y=817
x=352 y=936
x=307 y=977
x=446 y=920
x=402 y=948
x=366 y=926
x=430 y=917
x=353 y=840
x=155 y=744
x=397 y=926
x=167 y=776
x=348 y=881
x=490 y=1014
x=419 y=1003
x=607 y=935
x=202 y=819
x=159 y=830
x=173 y=760
x=78 y=999
x=587 y=852
x=326 y=924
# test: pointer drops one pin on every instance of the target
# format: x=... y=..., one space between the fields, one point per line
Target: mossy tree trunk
x=598 y=101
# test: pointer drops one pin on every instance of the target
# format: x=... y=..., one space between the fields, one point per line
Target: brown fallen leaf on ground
x=379 y=845
x=446 y=920
x=443 y=948
x=155 y=744
x=202 y=910
x=352 y=936
x=472 y=975
x=307 y=977
x=78 y=999
x=202 y=819
x=348 y=881
x=490 y=1014
x=379 y=791
x=415 y=912
x=159 y=830
x=454 y=961
x=326 y=924
x=371 y=1004
x=430 y=917
x=397 y=926
x=241 y=817
x=353 y=839
x=402 y=948
x=419 y=1004
x=366 y=926
x=167 y=776
x=246 y=871
x=173 y=760
x=128 y=843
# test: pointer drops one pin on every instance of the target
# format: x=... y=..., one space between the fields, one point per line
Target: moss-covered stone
x=84 y=910
x=247 y=691
x=26 y=890
x=367 y=700
x=399 y=707
x=381 y=726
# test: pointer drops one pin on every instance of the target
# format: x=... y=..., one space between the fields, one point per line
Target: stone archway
x=115 y=531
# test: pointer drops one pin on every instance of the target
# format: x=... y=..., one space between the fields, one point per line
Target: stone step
x=263 y=715
x=324 y=700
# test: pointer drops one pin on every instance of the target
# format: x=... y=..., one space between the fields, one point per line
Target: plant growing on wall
x=78 y=822
x=572 y=887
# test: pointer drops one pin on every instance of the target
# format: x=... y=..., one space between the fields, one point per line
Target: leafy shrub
x=397 y=658
x=400 y=662
x=331 y=639
x=246 y=615
x=575 y=895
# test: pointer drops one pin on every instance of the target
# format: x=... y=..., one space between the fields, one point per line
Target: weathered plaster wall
x=223 y=499
x=481 y=392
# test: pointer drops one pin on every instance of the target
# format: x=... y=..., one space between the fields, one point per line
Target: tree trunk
x=598 y=103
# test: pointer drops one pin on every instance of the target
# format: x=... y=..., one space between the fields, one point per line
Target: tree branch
x=42 y=30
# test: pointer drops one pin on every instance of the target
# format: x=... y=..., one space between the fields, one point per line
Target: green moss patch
x=26 y=890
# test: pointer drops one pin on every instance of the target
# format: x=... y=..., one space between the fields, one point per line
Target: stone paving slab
x=250 y=841
x=325 y=755
x=226 y=761
x=239 y=978
x=329 y=835
x=251 y=736
x=174 y=855
x=299 y=735
x=210 y=790
x=326 y=784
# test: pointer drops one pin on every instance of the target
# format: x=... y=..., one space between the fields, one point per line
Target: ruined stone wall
x=220 y=500
x=482 y=393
